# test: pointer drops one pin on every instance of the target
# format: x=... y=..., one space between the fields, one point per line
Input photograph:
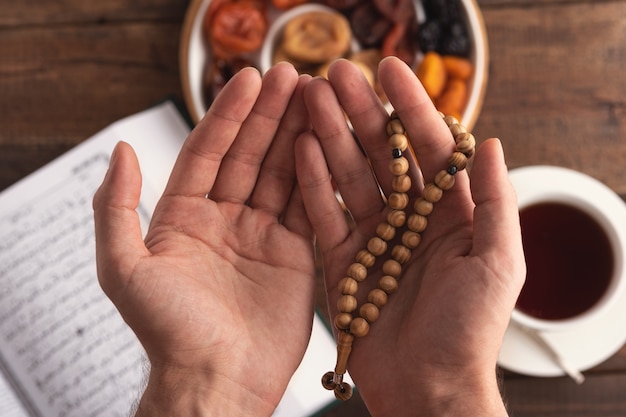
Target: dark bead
x=452 y=169
x=396 y=153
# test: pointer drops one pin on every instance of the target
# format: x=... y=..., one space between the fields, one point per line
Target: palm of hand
x=228 y=262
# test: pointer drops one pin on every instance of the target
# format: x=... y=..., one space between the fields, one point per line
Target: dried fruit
x=455 y=40
x=397 y=43
x=235 y=28
x=458 y=67
x=453 y=98
x=342 y=4
x=317 y=37
x=429 y=35
x=398 y=11
x=287 y=4
x=369 y=25
x=432 y=74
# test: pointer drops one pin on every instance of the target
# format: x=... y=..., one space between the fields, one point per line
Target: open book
x=64 y=349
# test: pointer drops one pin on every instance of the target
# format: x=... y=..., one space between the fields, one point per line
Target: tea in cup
x=573 y=236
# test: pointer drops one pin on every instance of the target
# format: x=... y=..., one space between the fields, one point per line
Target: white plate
x=592 y=342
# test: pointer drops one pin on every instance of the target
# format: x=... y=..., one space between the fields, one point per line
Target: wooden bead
x=423 y=206
x=344 y=347
x=451 y=120
x=346 y=304
x=411 y=239
x=328 y=381
x=457 y=129
x=398 y=201
x=359 y=327
x=398 y=141
x=463 y=136
x=377 y=297
x=399 y=166
x=388 y=284
x=342 y=321
x=365 y=258
x=343 y=391
x=369 y=312
x=401 y=253
x=385 y=231
x=377 y=246
x=444 y=180
x=401 y=183
x=392 y=267
x=396 y=218
x=395 y=126
x=348 y=286
x=357 y=271
x=459 y=160
x=465 y=143
x=417 y=223
x=432 y=193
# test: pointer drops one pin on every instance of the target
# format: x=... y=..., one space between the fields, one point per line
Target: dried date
x=369 y=26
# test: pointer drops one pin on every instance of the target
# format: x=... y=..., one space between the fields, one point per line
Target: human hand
x=434 y=348
x=221 y=292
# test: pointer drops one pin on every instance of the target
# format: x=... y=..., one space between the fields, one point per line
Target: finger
x=241 y=164
x=322 y=207
x=201 y=155
x=497 y=235
x=296 y=219
x=367 y=114
x=349 y=167
x=119 y=242
x=278 y=172
x=429 y=136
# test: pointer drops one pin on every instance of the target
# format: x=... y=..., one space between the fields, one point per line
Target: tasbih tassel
x=348 y=326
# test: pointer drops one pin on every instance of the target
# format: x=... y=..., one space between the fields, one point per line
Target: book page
x=10 y=404
x=65 y=343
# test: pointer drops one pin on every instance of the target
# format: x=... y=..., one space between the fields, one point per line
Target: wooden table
x=556 y=95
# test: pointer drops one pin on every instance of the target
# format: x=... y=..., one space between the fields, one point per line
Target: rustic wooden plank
x=556 y=92
x=61 y=84
x=37 y=12
x=600 y=395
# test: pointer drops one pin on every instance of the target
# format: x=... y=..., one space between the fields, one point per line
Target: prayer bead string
x=348 y=326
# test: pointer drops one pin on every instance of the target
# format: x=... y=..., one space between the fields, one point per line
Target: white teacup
x=574 y=232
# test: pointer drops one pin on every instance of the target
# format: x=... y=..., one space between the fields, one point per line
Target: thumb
x=119 y=242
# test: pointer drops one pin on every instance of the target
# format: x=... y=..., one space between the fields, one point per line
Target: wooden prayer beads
x=347 y=324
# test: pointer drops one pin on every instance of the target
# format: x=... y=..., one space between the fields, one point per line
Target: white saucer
x=594 y=341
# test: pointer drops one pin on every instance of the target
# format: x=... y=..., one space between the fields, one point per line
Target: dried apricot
x=458 y=67
x=235 y=28
x=453 y=98
x=287 y=4
x=432 y=74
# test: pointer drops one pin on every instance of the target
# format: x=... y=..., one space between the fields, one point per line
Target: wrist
x=437 y=396
x=467 y=397
x=183 y=392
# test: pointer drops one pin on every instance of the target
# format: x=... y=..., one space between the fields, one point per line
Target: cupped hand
x=220 y=293
x=437 y=339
